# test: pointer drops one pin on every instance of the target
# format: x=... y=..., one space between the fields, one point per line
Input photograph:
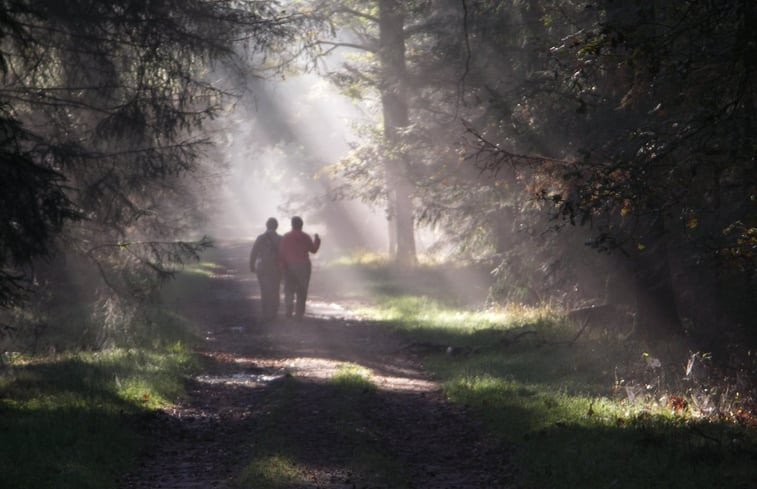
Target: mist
x=529 y=253
x=276 y=142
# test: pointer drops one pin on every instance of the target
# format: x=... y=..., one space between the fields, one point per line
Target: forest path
x=269 y=389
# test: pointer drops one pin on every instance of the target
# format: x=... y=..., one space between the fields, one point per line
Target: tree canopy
x=626 y=125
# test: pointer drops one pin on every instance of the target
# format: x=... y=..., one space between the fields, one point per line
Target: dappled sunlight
x=243 y=379
x=535 y=262
x=330 y=310
x=323 y=369
x=278 y=471
x=273 y=471
x=116 y=377
x=259 y=371
x=429 y=313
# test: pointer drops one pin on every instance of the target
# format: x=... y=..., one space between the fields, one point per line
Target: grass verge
x=594 y=413
x=66 y=420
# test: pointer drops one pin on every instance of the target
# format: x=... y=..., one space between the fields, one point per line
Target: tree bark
x=395 y=112
x=656 y=312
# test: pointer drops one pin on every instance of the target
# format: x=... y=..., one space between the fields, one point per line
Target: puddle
x=239 y=379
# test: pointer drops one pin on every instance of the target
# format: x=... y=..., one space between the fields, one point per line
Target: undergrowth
x=73 y=387
x=590 y=410
x=71 y=420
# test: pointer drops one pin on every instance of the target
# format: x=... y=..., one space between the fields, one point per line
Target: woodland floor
x=206 y=440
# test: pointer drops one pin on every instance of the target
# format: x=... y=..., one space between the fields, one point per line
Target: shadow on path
x=270 y=388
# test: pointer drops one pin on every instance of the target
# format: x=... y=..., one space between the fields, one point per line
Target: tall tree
x=378 y=28
x=393 y=87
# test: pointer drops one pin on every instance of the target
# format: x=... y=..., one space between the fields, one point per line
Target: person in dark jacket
x=294 y=259
x=264 y=262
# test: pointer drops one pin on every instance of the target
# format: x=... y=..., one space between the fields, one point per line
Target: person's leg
x=290 y=284
x=275 y=295
x=269 y=296
x=303 y=279
x=299 y=307
x=262 y=287
x=263 y=297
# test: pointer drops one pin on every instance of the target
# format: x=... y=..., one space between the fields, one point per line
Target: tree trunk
x=656 y=311
x=395 y=111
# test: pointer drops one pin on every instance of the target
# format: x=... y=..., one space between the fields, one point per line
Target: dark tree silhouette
x=631 y=122
x=101 y=104
x=650 y=108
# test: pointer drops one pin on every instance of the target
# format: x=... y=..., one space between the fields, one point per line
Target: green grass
x=65 y=419
x=331 y=434
x=71 y=420
x=371 y=277
x=192 y=281
x=271 y=472
x=562 y=404
x=351 y=378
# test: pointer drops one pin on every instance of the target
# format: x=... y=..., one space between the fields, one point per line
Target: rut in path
x=207 y=440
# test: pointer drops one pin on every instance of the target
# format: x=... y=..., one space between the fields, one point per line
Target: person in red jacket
x=294 y=258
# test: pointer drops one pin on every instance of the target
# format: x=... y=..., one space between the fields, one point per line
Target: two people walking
x=274 y=257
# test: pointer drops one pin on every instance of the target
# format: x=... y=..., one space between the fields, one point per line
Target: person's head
x=297 y=223
x=271 y=224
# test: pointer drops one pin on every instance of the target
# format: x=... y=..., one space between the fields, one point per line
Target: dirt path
x=271 y=386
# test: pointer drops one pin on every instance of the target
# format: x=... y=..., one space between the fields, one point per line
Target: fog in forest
x=277 y=138
x=539 y=216
x=542 y=154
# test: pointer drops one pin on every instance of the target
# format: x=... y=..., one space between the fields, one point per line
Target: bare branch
x=355 y=13
x=346 y=45
x=494 y=156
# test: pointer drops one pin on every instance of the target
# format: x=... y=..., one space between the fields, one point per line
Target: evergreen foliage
x=103 y=154
x=627 y=126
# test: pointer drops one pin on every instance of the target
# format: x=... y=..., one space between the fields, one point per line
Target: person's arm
x=316 y=243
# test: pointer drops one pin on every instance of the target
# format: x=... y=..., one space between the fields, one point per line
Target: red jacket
x=295 y=246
